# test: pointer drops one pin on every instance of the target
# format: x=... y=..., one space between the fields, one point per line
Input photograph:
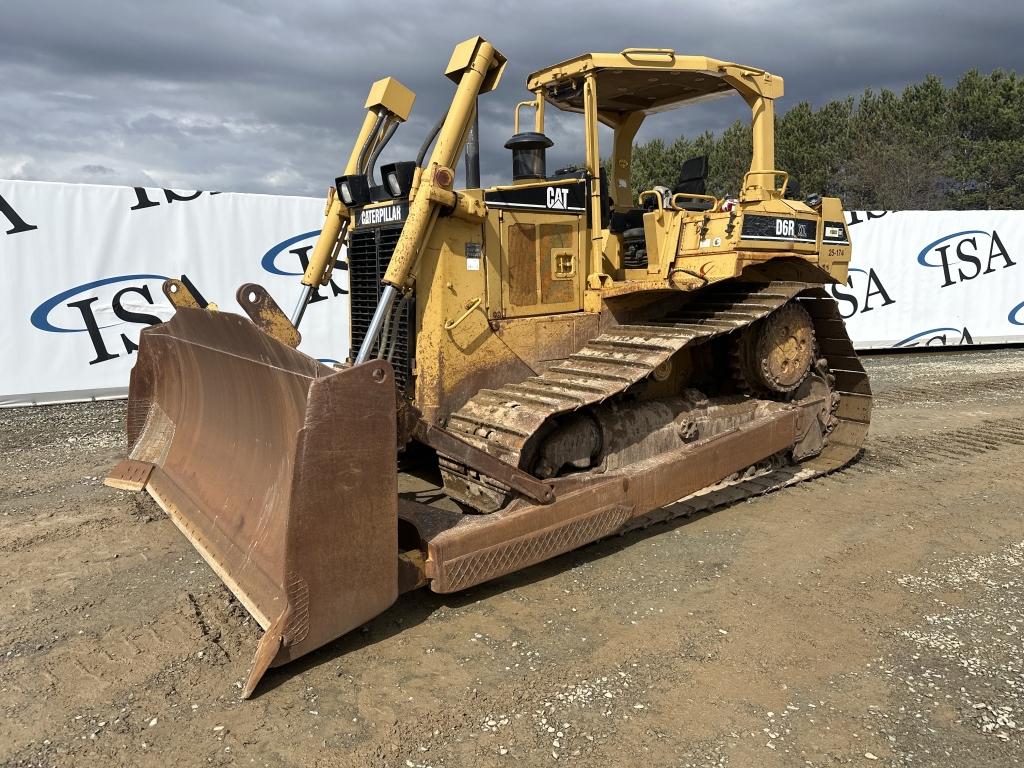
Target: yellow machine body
x=533 y=365
x=505 y=287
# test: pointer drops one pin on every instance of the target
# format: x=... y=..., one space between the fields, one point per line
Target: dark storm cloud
x=266 y=96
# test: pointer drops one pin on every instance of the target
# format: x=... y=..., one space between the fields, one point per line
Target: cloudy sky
x=266 y=96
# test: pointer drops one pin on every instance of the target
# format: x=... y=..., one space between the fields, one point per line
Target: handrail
x=656 y=195
x=520 y=105
x=653 y=55
x=773 y=173
x=450 y=324
x=538 y=183
x=695 y=196
x=672 y=201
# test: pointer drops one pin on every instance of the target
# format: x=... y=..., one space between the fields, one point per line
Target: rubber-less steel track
x=503 y=421
x=843 y=443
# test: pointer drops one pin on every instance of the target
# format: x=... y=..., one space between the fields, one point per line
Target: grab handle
x=652 y=55
x=450 y=324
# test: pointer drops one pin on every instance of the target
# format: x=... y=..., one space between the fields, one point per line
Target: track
x=505 y=421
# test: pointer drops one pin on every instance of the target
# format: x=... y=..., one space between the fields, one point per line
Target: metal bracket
x=455 y=448
x=266 y=315
x=183 y=293
x=179 y=295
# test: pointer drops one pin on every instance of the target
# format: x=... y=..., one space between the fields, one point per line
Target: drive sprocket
x=774 y=355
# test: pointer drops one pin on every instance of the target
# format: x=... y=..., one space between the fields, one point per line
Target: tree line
x=930 y=147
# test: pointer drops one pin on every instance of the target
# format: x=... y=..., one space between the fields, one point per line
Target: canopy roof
x=648 y=80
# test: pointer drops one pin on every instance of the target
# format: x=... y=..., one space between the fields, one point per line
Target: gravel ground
x=872 y=617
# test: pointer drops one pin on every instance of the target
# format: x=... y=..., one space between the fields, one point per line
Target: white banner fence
x=934 y=278
x=82 y=267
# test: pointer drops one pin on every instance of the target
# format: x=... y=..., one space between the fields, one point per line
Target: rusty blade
x=280 y=471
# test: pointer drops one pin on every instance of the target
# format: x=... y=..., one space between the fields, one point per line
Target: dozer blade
x=280 y=470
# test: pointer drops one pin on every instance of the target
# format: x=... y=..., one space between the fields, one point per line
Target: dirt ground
x=873 y=617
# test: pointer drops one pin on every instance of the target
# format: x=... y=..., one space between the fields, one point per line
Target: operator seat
x=693 y=177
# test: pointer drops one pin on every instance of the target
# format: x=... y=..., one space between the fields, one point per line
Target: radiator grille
x=369 y=251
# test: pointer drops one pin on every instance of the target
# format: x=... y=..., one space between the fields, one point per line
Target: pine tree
x=928 y=147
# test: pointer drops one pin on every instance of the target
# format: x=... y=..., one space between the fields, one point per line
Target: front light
x=353 y=190
x=393 y=185
x=398 y=177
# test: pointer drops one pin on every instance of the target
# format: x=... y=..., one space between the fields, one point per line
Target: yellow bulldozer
x=534 y=366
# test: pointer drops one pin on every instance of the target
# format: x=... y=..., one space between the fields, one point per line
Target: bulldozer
x=534 y=366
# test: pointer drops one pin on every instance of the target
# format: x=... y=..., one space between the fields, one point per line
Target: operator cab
x=619 y=90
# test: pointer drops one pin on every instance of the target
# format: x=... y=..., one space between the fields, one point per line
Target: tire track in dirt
x=951 y=391
x=895 y=452
x=723 y=616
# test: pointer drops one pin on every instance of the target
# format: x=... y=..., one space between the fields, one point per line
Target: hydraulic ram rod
x=387 y=298
x=388 y=98
x=477 y=67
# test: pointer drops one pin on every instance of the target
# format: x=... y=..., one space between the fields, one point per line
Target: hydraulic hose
x=425 y=147
x=365 y=150
x=384 y=334
x=388 y=133
x=387 y=298
x=382 y=314
x=307 y=290
x=392 y=328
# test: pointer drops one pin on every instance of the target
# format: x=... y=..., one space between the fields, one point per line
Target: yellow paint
x=392 y=96
x=547 y=280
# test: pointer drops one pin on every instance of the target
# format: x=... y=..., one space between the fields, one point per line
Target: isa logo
x=1016 y=315
x=966 y=255
x=290 y=257
x=95 y=308
x=16 y=223
x=862 y=287
x=936 y=337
